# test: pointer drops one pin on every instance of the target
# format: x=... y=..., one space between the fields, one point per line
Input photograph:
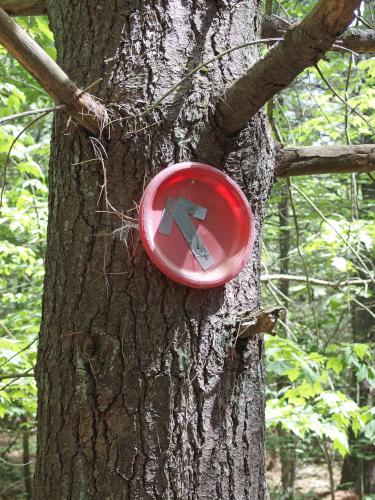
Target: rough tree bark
x=327 y=159
x=24 y=7
x=142 y=394
x=360 y=41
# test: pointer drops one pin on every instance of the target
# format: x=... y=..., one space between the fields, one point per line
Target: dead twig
x=16 y=375
x=31 y=112
x=91 y=86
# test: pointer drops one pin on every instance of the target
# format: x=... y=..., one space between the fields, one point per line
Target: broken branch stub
x=259 y=321
x=318 y=160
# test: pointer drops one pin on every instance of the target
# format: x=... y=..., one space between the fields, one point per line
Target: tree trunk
x=26 y=461
x=142 y=394
x=360 y=470
x=329 y=458
x=287 y=440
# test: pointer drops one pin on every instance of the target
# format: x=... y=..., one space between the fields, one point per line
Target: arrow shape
x=178 y=210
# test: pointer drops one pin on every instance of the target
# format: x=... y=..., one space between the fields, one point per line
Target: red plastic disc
x=196 y=225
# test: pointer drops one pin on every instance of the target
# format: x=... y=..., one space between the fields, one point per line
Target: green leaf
x=361 y=350
x=335 y=364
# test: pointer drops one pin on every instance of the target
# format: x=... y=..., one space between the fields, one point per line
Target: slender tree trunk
x=288 y=457
x=27 y=468
x=142 y=394
x=329 y=458
x=360 y=470
x=284 y=244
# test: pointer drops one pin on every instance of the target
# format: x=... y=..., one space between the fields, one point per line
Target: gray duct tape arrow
x=178 y=210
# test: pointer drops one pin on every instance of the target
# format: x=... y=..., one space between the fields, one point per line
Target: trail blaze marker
x=196 y=225
x=179 y=210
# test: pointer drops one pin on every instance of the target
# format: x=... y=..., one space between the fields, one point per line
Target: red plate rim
x=146 y=202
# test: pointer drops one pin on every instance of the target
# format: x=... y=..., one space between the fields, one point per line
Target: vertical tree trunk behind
x=141 y=393
x=359 y=467
x=26 y=461
x=360 y=470
x=288 y=456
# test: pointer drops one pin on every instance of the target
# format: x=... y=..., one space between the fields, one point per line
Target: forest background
x=318 y=265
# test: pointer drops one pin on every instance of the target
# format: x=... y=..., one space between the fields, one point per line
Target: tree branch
x=24 y=7
x=16 y=375
x=302 y=47
x=360 y=41
x=39 y=111
x=317 y=160
x=314 y=281
x=83 y=107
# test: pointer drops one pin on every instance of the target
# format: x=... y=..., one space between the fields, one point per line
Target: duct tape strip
x=179 y=210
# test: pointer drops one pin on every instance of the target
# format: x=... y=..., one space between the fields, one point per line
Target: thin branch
x=14 y=380
x=5 y=168
x=346 y=121
x=363 y=306
x=203 y=65
x=280 y=292
x=371 y=13
x=286 y=118
x=303 y=46
x=353 y=110
x=16 y=375
x=275 y=130
x=90 y=87
x=281 y=6
x=280 y=303
x=364 y=22
x=10 y=445
x=304 y=263
x=314 y=281
x=31 y=112
x=307 y=86
x=12 y=485
x=347 y=244
x=341 y=48
x=13 y=464
x=6 y=329
x=19 y=352
x=336 y=329
x=26 y=84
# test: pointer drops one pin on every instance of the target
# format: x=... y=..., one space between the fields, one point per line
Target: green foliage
x=23 y=222
x=320 y=367
x=308 y=404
